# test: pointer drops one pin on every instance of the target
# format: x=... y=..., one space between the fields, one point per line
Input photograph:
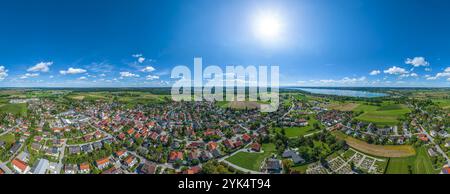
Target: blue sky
x=87 y=43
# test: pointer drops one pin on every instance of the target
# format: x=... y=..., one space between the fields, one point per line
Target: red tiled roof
x=20 y=164
x=84 y=166
x=102 y=161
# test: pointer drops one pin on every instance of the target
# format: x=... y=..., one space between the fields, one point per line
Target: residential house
x=41 y=166
x=102 y=163
x=84 y=168
x=130 y=161
x=20 y=166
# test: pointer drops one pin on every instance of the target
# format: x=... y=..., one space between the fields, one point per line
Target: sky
x=136 y=43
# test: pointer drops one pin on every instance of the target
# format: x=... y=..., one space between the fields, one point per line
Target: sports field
x=386 y=151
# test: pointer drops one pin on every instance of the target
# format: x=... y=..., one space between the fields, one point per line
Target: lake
x=351 y=93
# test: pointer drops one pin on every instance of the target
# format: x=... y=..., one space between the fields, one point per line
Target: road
x=438 y=148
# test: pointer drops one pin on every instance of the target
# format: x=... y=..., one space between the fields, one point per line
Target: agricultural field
x=387 y=114
x=418 y=164
x=343 y=106
x=443 y=103
x=293 y=132
x=386 y=151
x=252 y=161
x=17 y=109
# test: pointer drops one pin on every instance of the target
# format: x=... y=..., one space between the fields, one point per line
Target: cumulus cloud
x=3 y=73
x=408 y=75
x=152 y=77
x=28 y=75
x=148 y=69
x=375 y=72
x=41 y=67
x=139 y=57
x=395 y=71
x=417 y=62
x=128 y=74
x=445 y=73
x=72 y=70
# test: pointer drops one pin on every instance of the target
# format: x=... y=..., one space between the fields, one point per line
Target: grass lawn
x=300 y=169
x=17 y=109
x=252 y=161
x=8 y=138
x=293 y=132
x=386 y=151
x=418 y=164
x=386 y=114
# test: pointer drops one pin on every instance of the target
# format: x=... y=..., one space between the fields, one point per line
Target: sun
x=268 y=26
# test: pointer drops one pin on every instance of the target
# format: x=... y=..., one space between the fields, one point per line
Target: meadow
x=386 y=114
x=418 y=164
x=250 y=160
x=293 y=132
x=17 y=109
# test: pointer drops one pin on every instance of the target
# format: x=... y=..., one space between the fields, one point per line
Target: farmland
x=385 y=114
x=17 y=109
x=418 y=164
x=386 y=151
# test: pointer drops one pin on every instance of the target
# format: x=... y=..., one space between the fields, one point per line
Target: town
x=138 y=132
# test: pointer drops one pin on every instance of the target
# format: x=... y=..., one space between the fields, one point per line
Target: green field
x=443 y=103
x=17 y=109
x=8 y=138
x=292 y=132
x=418 y=164
x=386 y=114
x=252 y=161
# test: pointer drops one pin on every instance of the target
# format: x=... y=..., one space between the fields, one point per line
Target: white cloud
x=428 y=69
x=413 y=75
x=152 y=77
x=102 y=75
x=375 y=72
x=445 y=73
x=82 y=78
x=447 y=69
x=148 y=69
x=128 y=74
x=42 y=67
x=139 y=57
x=417 y=62
x=72 y=70
x=395 y=70
x=3 y=73
x=448 y=79
x=28 y=75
